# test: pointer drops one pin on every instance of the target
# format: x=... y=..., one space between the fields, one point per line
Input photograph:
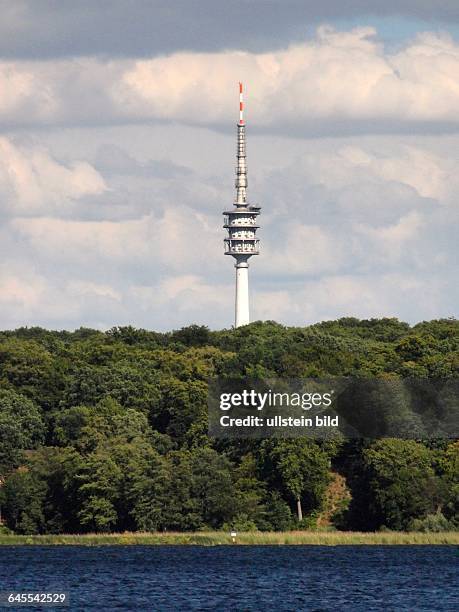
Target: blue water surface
x=319 y=578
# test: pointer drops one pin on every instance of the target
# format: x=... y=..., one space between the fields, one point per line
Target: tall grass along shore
x=219 y=538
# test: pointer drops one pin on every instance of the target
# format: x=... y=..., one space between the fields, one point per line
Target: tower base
x=242 y=294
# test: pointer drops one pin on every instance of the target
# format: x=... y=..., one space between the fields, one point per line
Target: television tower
x=241 y=223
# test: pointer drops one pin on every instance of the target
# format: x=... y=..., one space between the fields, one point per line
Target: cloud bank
x=365 y=229
x=114 y=171
x=50 y=29
x=342 y=79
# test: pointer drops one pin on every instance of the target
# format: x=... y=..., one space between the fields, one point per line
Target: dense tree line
x=107 y=431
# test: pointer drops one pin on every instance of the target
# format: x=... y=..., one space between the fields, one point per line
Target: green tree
x=193 y=335
x=98 y=492
x=277 y=514
x=250 y=492
x=182 y=508
x=68 y=424
x=299 y=468
x=31 y=369
x=401 y=482
x=22 y=501
x=447 y=467
x=181 y=404
x=21 y=427
x=212 y=487
x=147 y=480
x=57 y=469
x=97 y=513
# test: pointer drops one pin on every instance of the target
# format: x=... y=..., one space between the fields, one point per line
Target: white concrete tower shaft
x=242 y=309
x=240 y=222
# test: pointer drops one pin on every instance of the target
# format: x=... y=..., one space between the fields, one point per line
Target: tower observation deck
x=241 y=225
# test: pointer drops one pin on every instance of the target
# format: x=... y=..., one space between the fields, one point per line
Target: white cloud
x=81 y=289
x=279 y=306
x=390 y=243
x=337 y=76
x=18 y=292
x=185 y=294
x=303 y=249
x=178 y=239
x=427 y=173
x=361 y=296
x=23 y=92
x=343 y=75
x=33 y=182
x=28 y=297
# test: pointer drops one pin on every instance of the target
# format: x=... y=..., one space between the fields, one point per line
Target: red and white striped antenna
x=241 y=105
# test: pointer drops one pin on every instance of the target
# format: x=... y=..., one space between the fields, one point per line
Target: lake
x=357 y=578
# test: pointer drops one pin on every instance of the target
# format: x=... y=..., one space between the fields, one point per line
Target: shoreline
x=220 y=538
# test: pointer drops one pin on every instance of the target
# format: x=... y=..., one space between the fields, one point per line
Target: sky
x=117 y=156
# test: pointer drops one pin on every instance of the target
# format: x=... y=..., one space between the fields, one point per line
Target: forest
x=107 y=432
